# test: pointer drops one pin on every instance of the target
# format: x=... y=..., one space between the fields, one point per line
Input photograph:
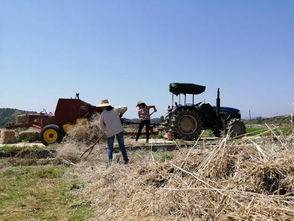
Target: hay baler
x=53 y=128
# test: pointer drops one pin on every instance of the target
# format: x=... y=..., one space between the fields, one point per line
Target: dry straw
x=244 y=179
x=80 y=138
x=232 y=180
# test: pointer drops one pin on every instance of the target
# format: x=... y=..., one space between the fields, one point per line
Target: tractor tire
x=51 y=134
x=236 y=128
x=186 y=124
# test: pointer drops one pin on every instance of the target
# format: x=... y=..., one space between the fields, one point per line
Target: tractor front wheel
x=51 y=134
x=236 y=128
x=217 y=132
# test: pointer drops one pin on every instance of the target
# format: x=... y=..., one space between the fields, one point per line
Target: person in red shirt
x=144 y=116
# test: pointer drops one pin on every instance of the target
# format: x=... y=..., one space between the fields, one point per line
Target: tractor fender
x=193 y=108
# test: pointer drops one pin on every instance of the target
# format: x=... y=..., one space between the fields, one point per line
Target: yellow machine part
x=69 y=127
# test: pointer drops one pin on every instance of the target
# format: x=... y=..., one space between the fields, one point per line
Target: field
x=39 y=189
x=228 y=180
x=224 y=179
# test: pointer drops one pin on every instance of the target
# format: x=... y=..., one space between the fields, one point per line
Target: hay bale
x=22 y=119
x=7 y=136
x=28 y=135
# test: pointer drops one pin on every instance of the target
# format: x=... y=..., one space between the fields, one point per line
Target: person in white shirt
x=111 y=122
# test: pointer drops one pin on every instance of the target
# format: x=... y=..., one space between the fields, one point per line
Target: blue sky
x=131 y=50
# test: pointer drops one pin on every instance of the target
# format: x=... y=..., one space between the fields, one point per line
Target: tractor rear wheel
x=51 y=134
x=236 y=128
x=186 y=124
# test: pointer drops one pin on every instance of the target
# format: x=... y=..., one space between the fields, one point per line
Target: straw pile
x=87 y=132
x=7 y=136
x=80 y=138
x=251 y=180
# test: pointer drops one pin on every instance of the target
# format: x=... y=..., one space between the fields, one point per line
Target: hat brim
x=140 y=104
x=103 y=105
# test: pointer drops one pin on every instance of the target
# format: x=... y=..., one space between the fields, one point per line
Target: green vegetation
x=40 y=193
x=8 y=115
x=278 y=120
x=255 y=131
x=159 y=136
x=18 y=148
x=207 y=133
x=166 y=156
x=266 y=131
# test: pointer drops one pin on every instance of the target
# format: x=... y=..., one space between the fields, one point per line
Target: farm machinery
x=184 y=121
x=187 y=120
x=68 y=113
x=53 y=128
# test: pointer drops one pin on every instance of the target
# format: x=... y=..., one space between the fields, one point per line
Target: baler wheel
x=51 y=134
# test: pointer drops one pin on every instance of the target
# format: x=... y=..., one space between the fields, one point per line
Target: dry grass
x=248 y=179
x=233 y=180
x=87 y=132
x=80 y=138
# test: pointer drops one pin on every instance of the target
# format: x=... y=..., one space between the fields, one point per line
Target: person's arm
x=152 y=106
x=101 y=123
x=139 y=112
x=122 y=110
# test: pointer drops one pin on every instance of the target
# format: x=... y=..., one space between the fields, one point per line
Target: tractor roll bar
x=217 y=103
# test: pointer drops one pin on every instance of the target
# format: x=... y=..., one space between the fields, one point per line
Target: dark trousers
x=141 y=125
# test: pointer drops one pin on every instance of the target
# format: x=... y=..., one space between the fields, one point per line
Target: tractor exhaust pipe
x=217 y=103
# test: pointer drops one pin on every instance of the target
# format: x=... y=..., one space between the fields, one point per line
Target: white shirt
x=111 y=121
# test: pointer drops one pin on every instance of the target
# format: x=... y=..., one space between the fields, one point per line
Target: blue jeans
x=120 y=140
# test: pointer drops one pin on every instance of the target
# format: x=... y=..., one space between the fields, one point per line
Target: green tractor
x=186 y=121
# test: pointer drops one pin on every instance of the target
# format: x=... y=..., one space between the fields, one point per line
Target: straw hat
x=140 y=102
x=104 y=103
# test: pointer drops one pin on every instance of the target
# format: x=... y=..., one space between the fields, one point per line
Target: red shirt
x=144 y=113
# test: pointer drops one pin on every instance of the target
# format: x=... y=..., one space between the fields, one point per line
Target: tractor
x=186 y=121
